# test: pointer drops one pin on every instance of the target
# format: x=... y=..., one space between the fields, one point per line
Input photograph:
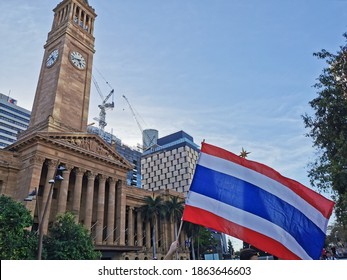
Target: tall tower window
x=77 y=15
x=87 y=23
x=82 y=19
x=61 y=15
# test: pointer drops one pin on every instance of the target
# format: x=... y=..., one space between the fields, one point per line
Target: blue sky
x=237 y=73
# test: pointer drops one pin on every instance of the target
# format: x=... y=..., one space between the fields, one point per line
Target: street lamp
x=41 y=221
x=30 y=197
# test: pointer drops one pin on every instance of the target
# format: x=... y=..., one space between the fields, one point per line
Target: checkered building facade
x=171 y=164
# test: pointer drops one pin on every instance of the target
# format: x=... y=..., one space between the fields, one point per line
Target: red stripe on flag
x=201 y=217
x=318 y=201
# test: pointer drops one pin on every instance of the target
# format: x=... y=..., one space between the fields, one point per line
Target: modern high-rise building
x=133 y=155
x=13 y=120
x=170 y=164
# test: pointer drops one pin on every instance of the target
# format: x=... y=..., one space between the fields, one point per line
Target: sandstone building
x=94 y=186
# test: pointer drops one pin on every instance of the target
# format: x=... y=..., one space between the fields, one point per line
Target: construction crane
x=133 y=113
x=146 y=137
x=105 y=105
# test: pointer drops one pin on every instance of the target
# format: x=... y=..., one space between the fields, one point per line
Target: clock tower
x=61 y=101
x=92 y=174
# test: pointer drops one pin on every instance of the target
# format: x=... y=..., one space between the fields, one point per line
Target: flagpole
x=179 y=230
x=178 y=234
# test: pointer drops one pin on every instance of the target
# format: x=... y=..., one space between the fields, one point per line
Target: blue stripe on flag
x=250 y=198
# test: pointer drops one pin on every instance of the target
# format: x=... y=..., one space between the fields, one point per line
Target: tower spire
x=63 y=91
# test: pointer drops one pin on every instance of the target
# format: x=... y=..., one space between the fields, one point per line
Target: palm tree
x=152 y=210
x=174 y=210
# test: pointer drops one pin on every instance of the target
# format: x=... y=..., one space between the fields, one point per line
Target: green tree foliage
x=153 y=210
x=69 y=241
x=16 y=242
x=192 y=231
x=328 y=129
x=230 y=247
x=174 y=210
x=201 y=238
x=337 y=236
x=205 y=240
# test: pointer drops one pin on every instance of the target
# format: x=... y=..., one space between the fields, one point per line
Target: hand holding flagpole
x=174 y=245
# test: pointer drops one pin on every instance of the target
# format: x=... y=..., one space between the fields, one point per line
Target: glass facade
x=13 y=120
x=130 y=154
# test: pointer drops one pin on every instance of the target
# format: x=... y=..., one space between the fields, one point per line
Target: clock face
x=52 y=58
x=77 y=60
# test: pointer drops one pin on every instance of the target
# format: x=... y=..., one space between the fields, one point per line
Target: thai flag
x=256 y=204
x=13 y=101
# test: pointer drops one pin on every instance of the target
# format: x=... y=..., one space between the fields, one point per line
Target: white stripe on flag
x=265 y=183
x=248 y=220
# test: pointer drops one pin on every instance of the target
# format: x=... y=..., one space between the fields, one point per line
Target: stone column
x=70 y=11
x=120 y=214
x=66 y=9
x=148 y=235
x=166 y=235
x=139 y=229
x=156 y=234
x=111 y=211
x=85 y=20
x=91 y=26
x=100 y=210
x=76 y=203
x=52 y=166
x=63 y=191
x=33 y=174
x=88 y=214
x=74 y=14
x=131 y=226
x=79 y=17
x=60 y=16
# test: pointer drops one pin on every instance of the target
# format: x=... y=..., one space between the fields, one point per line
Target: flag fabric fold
x=255 y=203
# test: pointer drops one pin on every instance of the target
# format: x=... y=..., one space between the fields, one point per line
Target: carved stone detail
x=80 y=171
x=52 y=163
x=102 y=177
x=68 y=167
x=90 y=175
x=111 y=180
x=90 y=145
x=37 y=160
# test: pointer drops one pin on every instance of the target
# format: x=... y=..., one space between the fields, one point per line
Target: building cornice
x=86 y=144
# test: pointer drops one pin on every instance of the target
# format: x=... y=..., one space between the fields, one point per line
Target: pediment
x=88 y=144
